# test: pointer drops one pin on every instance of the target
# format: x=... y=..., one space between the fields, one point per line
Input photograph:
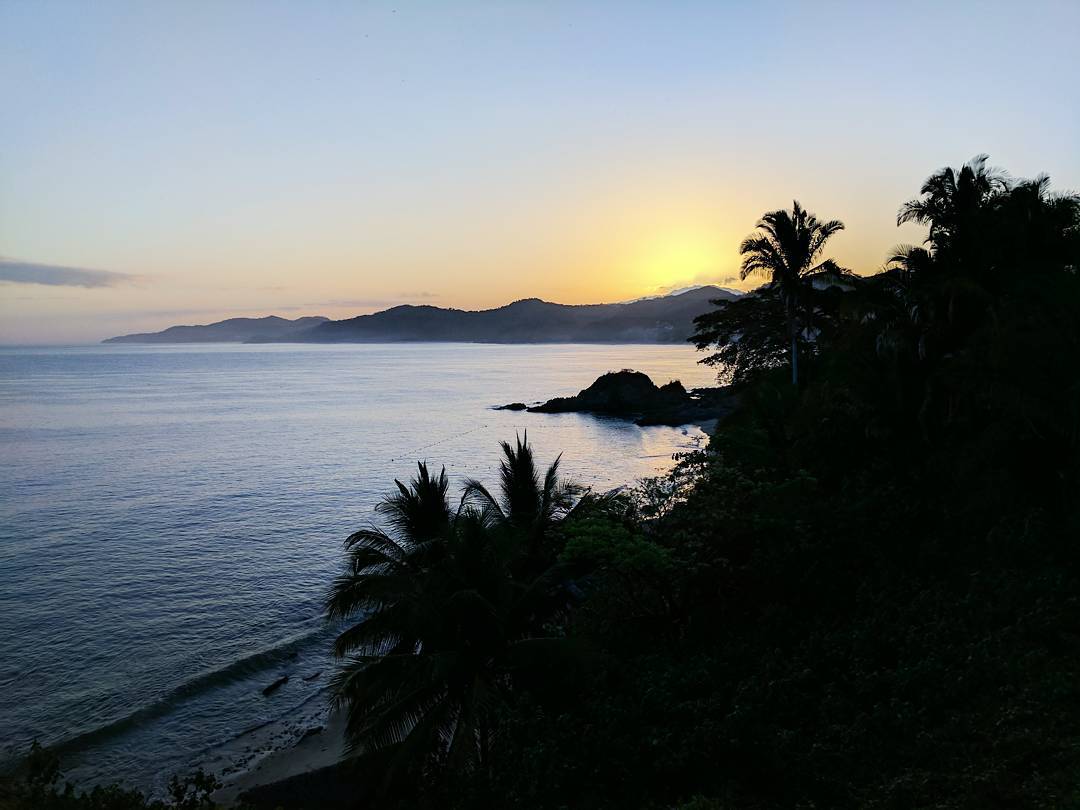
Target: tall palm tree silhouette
x=448 y=606
x=954 y=204
x=785 y=249
x=524 y=505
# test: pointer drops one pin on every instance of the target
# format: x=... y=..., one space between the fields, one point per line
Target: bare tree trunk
x=793 y=328
x=794 y=359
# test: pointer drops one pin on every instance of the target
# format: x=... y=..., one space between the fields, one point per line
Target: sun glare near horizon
x=674 y=260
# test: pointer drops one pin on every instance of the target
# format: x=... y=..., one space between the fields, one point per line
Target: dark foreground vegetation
x=865 y=594
x=38 y=784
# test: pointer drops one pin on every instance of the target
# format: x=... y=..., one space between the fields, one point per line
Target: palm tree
x=785 y=249
x=446 y=617
x=985 y=227
x=910 y=262
x=1038 y=229
x=953 y=203
x=525 y=506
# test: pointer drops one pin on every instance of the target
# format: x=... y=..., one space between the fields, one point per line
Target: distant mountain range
x=233 y=330
x=664 y=319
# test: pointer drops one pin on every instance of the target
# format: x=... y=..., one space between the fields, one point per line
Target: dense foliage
x=38 y=785
x=866 y=593
x=452 y=612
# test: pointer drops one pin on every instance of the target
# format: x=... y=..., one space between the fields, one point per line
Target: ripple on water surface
x=170 y=516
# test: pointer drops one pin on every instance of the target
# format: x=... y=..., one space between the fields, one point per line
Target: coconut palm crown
x=442 y=608
x=786 y=249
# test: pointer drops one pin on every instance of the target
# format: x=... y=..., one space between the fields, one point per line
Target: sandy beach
x=309 y=741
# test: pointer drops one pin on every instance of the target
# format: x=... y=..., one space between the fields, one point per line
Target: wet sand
x=283 y=750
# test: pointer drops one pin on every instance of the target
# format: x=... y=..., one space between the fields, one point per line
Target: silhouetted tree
x=786 y=250
x=954 y=204
x=451 y=605
x=986 y=235
x=746 y=334
x=525 y=505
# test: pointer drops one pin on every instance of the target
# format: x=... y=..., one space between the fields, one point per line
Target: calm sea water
x=170 y=517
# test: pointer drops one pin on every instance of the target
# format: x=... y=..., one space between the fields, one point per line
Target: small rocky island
x=629 y=394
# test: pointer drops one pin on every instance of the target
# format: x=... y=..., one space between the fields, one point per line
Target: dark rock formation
x=630 y=394
x=618 y=393
x=280 y=682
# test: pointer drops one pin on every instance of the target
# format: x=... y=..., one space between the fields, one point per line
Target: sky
x=182 y=162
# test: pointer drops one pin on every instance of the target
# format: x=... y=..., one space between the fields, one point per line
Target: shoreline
x=286 y=748
x=277 y=758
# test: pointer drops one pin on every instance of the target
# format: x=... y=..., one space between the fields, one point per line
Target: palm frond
x=438 y=594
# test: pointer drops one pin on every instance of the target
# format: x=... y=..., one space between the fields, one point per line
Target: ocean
x=171 y=518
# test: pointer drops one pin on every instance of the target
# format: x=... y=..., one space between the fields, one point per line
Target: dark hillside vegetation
x=866 y=593
x=660 y=319
x=664 y=319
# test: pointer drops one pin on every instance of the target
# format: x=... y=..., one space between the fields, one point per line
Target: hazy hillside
x=666 y=319
x=233 y=330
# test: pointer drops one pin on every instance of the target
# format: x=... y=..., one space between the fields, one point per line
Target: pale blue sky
x=228 y=158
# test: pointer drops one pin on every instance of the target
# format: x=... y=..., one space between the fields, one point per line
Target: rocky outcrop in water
x=280 y=682
x=629 y=394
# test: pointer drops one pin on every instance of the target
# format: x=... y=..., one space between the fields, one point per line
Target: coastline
x=285 y=762
x=287 y=748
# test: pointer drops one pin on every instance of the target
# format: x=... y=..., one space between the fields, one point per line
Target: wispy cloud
x=55 y=275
